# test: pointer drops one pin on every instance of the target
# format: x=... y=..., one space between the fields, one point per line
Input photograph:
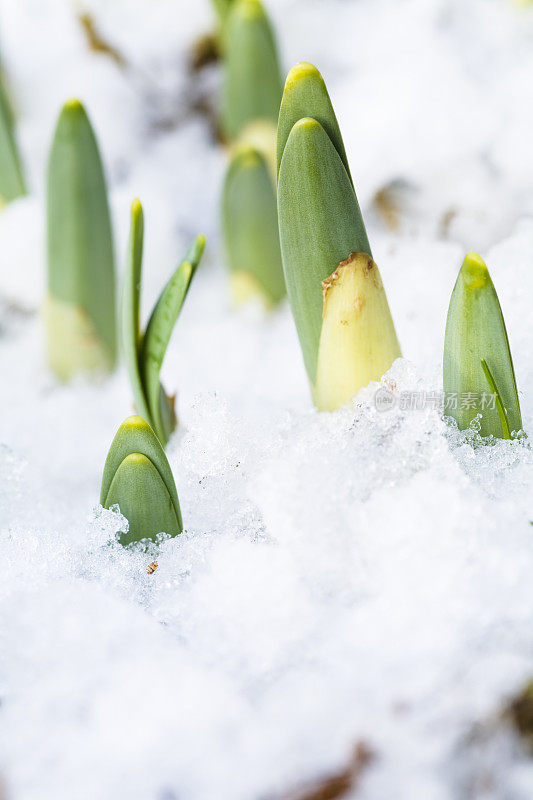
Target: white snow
x=349 y=577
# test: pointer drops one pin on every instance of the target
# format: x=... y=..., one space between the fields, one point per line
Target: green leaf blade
x=222 y=8
x=12 y=183
x=136 y=436
x=250 y=223
x=195 y=251
x=252 y=82
x=143 y=499
x=159 y=331
x=320 y=224
x=81 y=271
x=131 y=339
x=499 y=402
x=476 y=332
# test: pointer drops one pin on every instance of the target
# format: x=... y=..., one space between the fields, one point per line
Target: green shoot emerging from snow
x=337 y=297
x=144 y=352
x=137 y=477
x=80 y=311
x=478 y=372
x=250 y=226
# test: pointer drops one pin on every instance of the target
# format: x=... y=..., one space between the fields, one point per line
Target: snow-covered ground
x=361 y=579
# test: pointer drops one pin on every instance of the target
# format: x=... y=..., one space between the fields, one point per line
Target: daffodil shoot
x=137 y=478
x=335 y=290
x=252 y=78
x=80 y=306
x=250 y=227
x=478 y=373
x=144 y=351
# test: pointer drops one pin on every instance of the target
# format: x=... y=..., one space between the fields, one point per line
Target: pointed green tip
x=306 y=125
x=248 y=9
x=73 y=106
x=304 y=132
x=73 y=118
x=300 y=72
x=135 y=423
x=306 y=95
x=474 y=271
x=246 y=157
x=136 y=460
x=136 y=209
x=195 y=252
x=199 y=247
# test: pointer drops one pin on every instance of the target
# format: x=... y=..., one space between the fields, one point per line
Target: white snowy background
x=345 y=579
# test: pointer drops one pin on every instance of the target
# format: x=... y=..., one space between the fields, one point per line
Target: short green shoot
x=80 y=307
x=137 y=478
x=478 y=373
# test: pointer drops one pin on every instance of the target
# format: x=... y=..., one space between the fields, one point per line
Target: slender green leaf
x=159 y=330
x=320 y=225
x=252 y=82
x=306 y=95
x=80 y=244
x=250 y=223
x=167 y=414
x=475 y=332
x=11 y=176
x=156 y=341
x=195 y=251
x=130 y=329
x=136 y=436
x=144 y=354
x=499 y=403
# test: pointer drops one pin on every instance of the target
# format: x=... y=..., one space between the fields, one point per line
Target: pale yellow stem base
x=262 y=136
x=245 y=288
x=358 y=343
x=72 y=344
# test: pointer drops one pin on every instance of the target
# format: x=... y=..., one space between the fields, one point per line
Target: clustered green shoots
x=11 y=175
x=251 y=99
x=478 y=373
x=337 y=297
x=80 y=307
x=137 y=477
x=144 y=352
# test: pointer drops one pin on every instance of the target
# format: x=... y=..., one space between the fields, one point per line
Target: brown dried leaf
x=204 y=52
x=97 y=43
